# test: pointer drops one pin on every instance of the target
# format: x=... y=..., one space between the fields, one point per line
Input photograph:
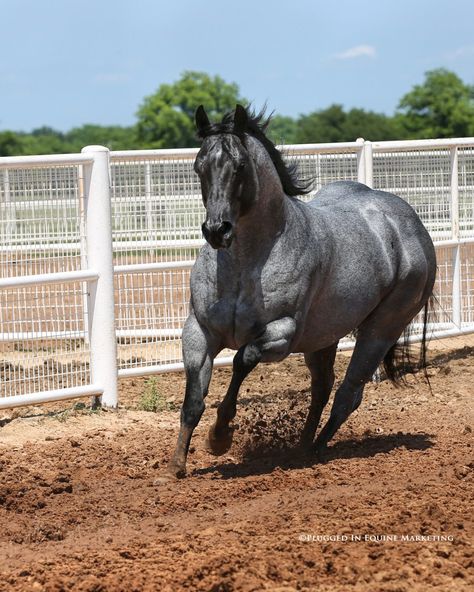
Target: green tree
x=336 y=125
x=441 y=107
x=10 y=144
x=326 y=125
x=166 y=118
x=114 y=137
x=372 y=126
x=282 y=129
x=43 y=140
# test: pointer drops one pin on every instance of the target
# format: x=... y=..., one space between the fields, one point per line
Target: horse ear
x=240 y=119
x=202 y=120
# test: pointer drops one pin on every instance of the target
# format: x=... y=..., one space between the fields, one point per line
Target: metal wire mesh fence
x=47 y=308
x=43 y=343
x=40 y=220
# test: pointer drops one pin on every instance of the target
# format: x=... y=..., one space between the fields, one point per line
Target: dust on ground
x=80 y=510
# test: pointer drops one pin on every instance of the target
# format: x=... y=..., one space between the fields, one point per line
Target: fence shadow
x=265 y=461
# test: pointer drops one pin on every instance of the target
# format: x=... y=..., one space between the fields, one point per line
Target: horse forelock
x=223 y=145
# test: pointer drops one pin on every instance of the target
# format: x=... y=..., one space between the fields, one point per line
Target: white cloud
x=358 y=51
x=460 y=52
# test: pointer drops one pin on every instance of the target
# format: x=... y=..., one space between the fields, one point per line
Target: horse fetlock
x=320 y=449
x=306 y=439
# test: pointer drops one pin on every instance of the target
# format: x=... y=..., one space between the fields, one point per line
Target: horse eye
x=240 y=167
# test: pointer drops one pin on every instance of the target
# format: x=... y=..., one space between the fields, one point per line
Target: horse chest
x=243 y=307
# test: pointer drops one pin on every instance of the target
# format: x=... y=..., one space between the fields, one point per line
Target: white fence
x=80 y=231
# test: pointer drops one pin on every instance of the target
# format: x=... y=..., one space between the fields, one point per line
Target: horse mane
x=257 y=123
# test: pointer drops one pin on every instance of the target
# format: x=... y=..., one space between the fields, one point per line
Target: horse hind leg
x=367 y=355
x=378 y=333
x=321 y=366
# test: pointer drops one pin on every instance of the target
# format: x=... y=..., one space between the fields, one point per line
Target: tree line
x=442 y=106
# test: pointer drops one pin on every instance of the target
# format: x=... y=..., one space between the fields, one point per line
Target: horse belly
x=332 y=318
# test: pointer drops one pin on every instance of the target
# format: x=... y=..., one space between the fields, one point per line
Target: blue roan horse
x=279 y=276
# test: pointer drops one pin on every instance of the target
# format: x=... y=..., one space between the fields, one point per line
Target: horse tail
x=401 y=359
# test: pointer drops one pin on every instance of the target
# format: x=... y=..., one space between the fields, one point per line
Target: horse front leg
x=272 y=345
x=199 y=351
x=221 y=433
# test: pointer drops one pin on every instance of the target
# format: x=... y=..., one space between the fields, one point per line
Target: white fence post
x=8 y=230
x=360 y=160
x=456 y=287
x=369 y=163
x=364 y=162
x=103 y=344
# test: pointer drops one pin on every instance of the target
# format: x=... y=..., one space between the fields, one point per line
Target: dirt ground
x=389 y=510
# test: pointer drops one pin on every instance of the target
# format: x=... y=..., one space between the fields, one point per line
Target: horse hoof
x=169 y=475
x=306 y=445
x=321 y=450
x=219 y=444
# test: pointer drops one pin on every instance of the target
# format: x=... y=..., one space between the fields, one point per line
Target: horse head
x=227 y=173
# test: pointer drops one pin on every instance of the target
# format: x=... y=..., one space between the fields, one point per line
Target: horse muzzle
x=218 y=234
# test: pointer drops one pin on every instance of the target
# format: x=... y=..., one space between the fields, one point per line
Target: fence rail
x=96 y=250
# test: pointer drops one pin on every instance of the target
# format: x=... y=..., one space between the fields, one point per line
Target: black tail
x=401 y=358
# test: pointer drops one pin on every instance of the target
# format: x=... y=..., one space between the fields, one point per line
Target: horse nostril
x=217 y=234
x=225 y=227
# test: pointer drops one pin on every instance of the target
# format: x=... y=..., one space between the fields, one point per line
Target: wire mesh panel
x=43 y=345
x=423 y=179
x=157 y=210
x=466 y=191
x=157 y=214
x=442 y=312
x=150 y=312
x=42 y=341
x=467 y=284
x=40 y=220
x=322 y=168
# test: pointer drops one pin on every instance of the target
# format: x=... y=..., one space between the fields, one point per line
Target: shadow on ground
x=261 y=460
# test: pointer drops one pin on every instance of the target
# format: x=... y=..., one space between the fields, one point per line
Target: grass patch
x=152 y=399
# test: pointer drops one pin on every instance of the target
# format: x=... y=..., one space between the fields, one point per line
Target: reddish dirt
x=80 y=510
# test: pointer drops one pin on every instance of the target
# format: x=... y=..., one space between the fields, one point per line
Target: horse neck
x=265 y=222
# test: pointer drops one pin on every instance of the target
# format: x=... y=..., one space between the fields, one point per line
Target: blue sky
x=70 y=62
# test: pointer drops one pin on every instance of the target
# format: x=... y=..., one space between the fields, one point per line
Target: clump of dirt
x=272 y=428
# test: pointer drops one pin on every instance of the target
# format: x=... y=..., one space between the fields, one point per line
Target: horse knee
x=192 y=411
x=247 y=358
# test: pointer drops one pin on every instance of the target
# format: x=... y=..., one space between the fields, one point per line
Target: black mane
x=256 y=126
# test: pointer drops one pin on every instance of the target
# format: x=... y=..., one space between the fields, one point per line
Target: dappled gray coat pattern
x=279 y=276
